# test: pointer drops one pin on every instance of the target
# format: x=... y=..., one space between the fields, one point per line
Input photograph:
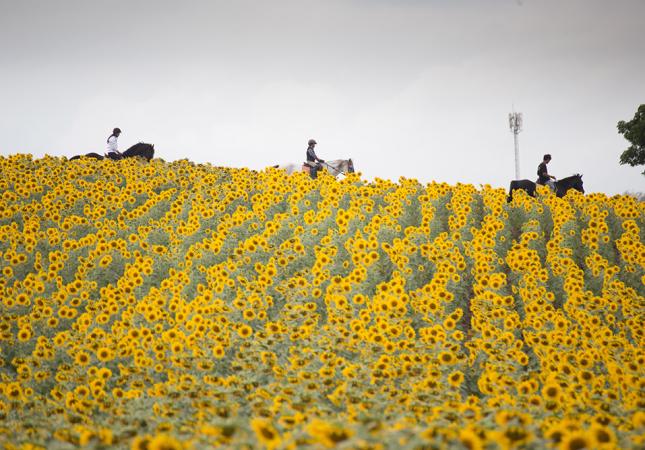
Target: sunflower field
x=173 y=305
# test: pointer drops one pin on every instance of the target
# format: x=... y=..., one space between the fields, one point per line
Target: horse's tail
x=75 y=157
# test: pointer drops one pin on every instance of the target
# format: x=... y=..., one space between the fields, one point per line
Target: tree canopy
x=634 y=132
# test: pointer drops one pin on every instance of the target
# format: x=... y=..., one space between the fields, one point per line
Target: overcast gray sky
x=411 y=88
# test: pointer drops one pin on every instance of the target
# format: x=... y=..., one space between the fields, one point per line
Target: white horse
x=335 y=167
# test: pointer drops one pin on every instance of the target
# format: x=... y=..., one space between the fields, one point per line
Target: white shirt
x=112 y=146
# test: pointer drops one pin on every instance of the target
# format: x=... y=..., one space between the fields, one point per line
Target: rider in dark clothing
x=312 y=160
x=543 y=174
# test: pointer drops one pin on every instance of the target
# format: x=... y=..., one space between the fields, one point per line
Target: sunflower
x=24 y=334
x=218 y=351
x=164 y=442
x=604 y=436
x=328 y=434
x=551 y=391
x=638 y=419
x=446 y=358
x=456 y=378
x=265 y=433
x=578 y=440
x=104 y=354
x=82 y=358
x=244 y=331
x=13 y=391
x=469 y=439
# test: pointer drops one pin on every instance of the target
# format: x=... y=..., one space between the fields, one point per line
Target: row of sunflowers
x=175 y=305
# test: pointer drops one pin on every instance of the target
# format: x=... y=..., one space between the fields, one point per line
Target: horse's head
x=149 y=152
x=577 y=183
x=572 y=182
x=350 y=165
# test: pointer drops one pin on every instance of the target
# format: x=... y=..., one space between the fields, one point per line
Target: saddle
x=550 y=186
x=308 y=165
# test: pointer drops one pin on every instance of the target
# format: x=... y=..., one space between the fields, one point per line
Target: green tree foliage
x=634 y=132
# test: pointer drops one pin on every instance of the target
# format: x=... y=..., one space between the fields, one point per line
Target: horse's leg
x=513 y=187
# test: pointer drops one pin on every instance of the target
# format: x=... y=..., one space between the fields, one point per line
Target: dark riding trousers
x=313 y=162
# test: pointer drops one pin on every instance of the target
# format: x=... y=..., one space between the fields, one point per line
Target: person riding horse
x=562 y=186
x=313 y=162
x=544 y=178
x=559 y=187
x=112 y=146
x=141 y=149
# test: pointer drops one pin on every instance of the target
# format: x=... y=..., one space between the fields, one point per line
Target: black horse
x=141 y=149
x=561 y=186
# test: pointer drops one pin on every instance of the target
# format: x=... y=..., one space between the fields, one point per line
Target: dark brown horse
x=141 y=150
x=561 y=186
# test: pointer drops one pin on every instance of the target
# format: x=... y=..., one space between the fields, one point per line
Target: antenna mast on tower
x=515 y=124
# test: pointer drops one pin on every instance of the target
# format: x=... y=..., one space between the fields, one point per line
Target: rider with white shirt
x=112 y=145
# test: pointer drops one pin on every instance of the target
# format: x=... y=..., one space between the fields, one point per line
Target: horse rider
x=112 y=145
x=544 y=178
x=313 y=161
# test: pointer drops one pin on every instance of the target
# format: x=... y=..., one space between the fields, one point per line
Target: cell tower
x=515 y=123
